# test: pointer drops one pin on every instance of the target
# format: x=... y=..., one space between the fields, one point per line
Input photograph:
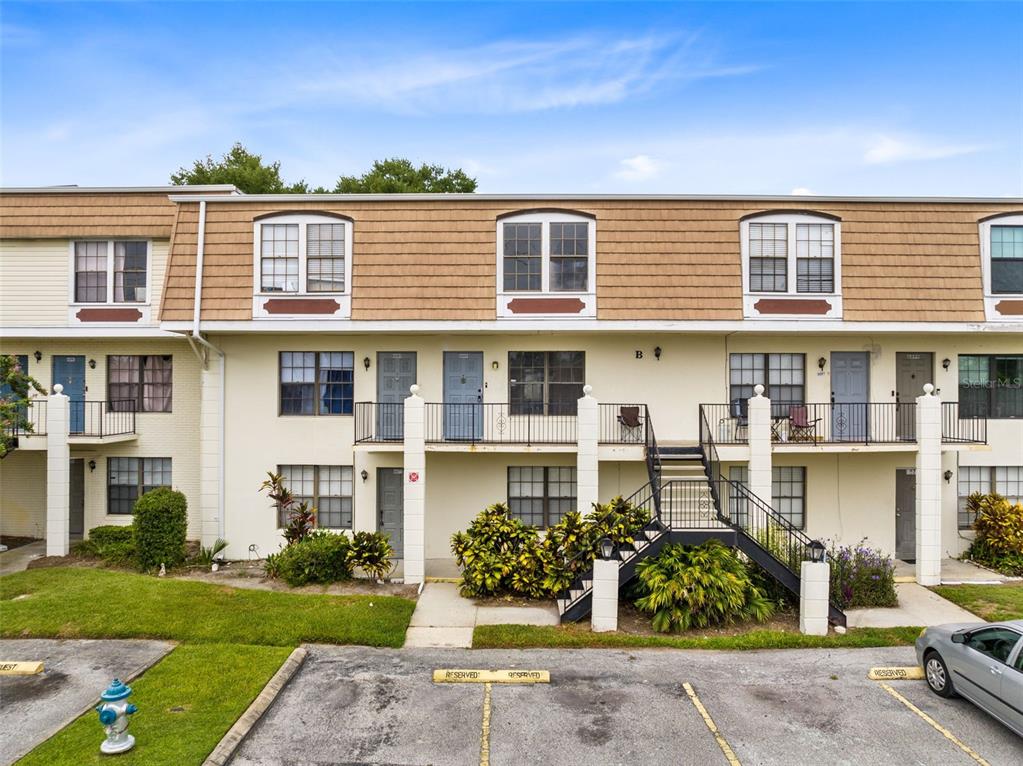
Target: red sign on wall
x=413 y=477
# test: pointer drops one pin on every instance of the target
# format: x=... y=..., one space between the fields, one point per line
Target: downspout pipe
x=200 y=253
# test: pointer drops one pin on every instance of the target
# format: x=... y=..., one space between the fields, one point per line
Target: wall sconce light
x=948 y=476
x=816 y=551
x=820 y=363
x=92 y=466
x=38 y=355
x=946 y=363
x=92 y=364
x=657 y=353
x=494 y=365
x=364 y=474
x=366 y=362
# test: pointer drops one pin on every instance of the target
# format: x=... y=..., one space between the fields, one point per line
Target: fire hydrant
x=113 y=715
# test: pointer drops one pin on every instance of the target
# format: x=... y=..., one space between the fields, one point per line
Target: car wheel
x=938 y=678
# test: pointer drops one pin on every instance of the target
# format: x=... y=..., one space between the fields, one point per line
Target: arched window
x=299 y=253
x=1001 y=246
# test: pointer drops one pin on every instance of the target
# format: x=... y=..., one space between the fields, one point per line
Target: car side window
x=1019 y=662
x=996 y=643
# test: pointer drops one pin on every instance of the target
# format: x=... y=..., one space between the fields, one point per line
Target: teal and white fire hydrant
x=113 y=714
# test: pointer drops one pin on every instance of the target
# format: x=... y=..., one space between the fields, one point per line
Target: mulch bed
x=14 y=541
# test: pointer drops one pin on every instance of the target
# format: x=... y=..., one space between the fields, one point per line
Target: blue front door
x=69 y=371
x=463 y=395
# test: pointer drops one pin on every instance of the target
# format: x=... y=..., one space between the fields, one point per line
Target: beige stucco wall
x=36 y=278
x=173 y=434
x=23 y=494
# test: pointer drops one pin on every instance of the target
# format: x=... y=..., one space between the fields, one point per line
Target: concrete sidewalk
x=444 y=619
x=16 y=559
x=953 y=572
x=917 y=606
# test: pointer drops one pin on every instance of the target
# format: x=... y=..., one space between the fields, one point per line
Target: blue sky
x=574 y=97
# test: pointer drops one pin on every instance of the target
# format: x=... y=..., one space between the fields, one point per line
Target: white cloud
x=886 y=149
x=639 y=168
x=802 y=191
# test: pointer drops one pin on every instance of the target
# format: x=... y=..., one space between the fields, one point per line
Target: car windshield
x=994 y=642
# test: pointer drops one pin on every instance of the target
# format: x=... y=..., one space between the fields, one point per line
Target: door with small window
x=396 y=373
x=69 y=371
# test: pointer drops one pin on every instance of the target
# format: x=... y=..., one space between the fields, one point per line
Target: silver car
x=982 y=662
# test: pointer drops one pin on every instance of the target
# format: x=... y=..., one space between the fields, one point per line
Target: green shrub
x=777 y=541
x=206 y=556
x=697 y=587
x=862 y=577
x=321 y=557
x=999 y=527
x=161 y=520
x=111 y=544
x=272 y=565
x=371 y=552
x=490 y=549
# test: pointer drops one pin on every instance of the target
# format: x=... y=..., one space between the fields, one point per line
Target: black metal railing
x=498 y=423
x=653 y=460
x=379 y=422
x=771 y=531
x=680 y=504
x=622 y=423
x=956 y=429
x=109 y=418
x=85 y=418
x=838 y=423
x=711 y=461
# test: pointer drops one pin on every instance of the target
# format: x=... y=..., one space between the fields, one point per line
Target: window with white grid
x=110 y=271
x=768 y=257
x=788 y=493
x=541 y=496
x=325 y=258
x=972 y=478
x=791 y=253
x=279 y=264
x=546 y=251
x=301 y=254
x=128 y=478
x=327 y=488
x=815 y=257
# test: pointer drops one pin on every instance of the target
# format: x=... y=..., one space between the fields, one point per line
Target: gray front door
x=912 y=371
x=396 y=373
x=850 y=392
x=391 y=507
x=77 y=480
x=463 y=395
x=905 y=514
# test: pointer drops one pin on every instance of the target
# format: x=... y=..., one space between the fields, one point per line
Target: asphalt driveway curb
x=227 y=746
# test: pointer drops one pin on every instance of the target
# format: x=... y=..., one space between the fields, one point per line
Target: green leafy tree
x=242 y=168
x=15 y=387
x=399 y=176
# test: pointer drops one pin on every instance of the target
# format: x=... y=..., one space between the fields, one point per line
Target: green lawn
x=96 y=603
x=580 y=637
x=993 y=603
x=186 y=702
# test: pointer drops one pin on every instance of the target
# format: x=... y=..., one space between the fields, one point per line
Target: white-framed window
x=788 y=493
x=1001 y=247
x=108 y=271
x=1006 y=480
x=302 y=254
x=795 y=254
x=327 y=488
x=546 y=252
x=540 y=496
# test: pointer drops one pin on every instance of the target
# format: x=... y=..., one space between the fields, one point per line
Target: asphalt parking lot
x=369 y=706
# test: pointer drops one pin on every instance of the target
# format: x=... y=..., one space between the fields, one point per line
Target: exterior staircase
x=685 y=500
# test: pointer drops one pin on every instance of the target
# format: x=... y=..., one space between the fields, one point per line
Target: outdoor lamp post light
x=607 y=549
x=816 y=551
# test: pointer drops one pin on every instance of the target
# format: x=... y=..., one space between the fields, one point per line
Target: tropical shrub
x=320 y=557
x=272 y=565
x=698 y=586
x=207 y=555
x=489 y=551
x=862 y=577
x=112 y=544
x=299 y=518
x=371 y=552
x=999 y=527
x=160 y=523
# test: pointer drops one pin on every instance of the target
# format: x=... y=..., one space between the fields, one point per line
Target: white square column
x=58 y=474
x=814 y=591
x=587 y=471
x=211 y=450
x=414 y=524
x=928 y=488
x=604 y=604
x=759 y=434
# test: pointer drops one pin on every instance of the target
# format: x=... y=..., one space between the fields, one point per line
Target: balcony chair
x=739 y=411
x=628 y=418
x=801 y=428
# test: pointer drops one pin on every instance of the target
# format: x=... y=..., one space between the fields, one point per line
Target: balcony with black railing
x=88 y=421
x=834 y=423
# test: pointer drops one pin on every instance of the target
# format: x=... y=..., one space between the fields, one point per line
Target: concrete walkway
x=953 y=572
x=16 y=559
x=917 y=606
x=444 y=619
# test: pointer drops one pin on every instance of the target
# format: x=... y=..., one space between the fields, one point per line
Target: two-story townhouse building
x=565 y=349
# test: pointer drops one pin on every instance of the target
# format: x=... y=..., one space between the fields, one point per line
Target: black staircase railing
x=653 y=464
x=711 y=461
x=766 y=527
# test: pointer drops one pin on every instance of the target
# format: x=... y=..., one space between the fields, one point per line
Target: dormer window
x=546 y=253
x=1007 y=259
x=791 y=265
x=110 y=271
x=303 y=265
